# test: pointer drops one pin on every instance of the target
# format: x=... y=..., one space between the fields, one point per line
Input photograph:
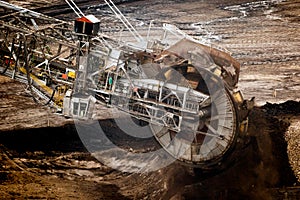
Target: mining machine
x=183 y=88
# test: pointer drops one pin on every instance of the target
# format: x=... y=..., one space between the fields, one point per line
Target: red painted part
x=83 y=19
x=64 y=76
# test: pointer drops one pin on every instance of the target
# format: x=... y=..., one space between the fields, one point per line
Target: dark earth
x=42 y=156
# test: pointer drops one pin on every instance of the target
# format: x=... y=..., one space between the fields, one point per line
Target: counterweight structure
x=184 y=89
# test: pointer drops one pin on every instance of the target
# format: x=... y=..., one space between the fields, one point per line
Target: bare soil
x=42 y=156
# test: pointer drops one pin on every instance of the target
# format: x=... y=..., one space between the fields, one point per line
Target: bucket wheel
x=206 y=137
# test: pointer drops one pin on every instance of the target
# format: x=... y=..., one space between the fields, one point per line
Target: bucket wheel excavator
x=184 y=89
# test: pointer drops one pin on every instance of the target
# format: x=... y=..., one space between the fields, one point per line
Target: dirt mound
x=288 y=113
x=263 y=162
x=259 y=164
